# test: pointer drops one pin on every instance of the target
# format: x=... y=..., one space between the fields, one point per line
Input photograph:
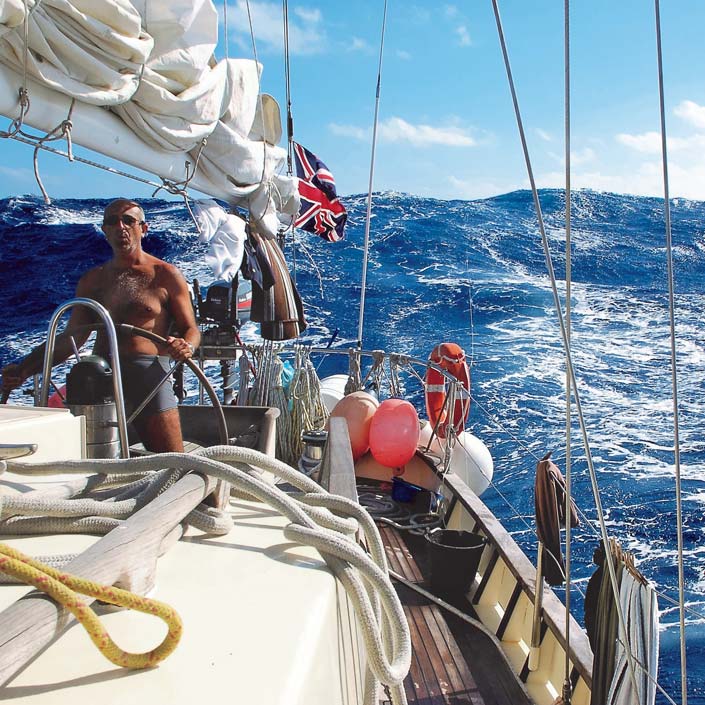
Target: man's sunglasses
x=126 y=219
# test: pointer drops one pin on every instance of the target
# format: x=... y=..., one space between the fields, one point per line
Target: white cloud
x=450 y=10
x=638 y=169
x=545 y=136
x=685 y=181
x=644 y=180
x=308 y=15
x=357 y=133
x=640 y=182
x=650 y=142
x=306 y=32
x=395 y=129
x=404 y=55
x=478 y=188
x=691 y=112
x=17 y=174
x=419 y=15
x=357 y=44
x=582 y=156
x=463 y=35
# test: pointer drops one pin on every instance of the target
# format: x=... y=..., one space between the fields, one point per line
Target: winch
x=312 y=455
x=89 y=393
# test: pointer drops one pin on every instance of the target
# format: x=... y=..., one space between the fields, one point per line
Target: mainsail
x=139 y=83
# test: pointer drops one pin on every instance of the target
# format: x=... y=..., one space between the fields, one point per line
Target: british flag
x=321 y=212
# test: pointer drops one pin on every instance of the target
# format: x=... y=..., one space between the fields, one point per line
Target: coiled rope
x=300 y=405
x=305 y=410
x=101 y=513
x=65 y=588
x=318 y=519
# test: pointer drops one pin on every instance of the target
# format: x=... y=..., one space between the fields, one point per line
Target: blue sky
x=447 y=127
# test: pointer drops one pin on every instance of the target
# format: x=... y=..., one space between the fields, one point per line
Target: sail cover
x=150 y=65
x=640 y=609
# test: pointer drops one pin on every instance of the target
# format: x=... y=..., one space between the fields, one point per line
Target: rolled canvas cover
x=151 y=64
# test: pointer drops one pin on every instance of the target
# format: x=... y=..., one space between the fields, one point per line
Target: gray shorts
x=140 y=375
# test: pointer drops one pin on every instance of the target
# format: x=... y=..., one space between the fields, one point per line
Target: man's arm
x=184 y=318
x=78 y=328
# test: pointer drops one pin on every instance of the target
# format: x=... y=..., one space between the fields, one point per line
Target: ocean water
x=474 y=272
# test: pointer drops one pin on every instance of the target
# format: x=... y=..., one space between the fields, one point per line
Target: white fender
x=333 y=390
x=471 y=460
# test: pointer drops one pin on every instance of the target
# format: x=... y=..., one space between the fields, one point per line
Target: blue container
x=403 y=491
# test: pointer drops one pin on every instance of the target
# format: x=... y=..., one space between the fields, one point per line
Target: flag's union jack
x=321 y=212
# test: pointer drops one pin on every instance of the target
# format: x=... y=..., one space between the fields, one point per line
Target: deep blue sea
x=474 y=272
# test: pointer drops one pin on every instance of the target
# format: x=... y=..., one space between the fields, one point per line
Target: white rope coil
x=318 y=519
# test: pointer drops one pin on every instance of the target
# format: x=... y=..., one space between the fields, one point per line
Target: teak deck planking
x=444 y=646
x=439 y=673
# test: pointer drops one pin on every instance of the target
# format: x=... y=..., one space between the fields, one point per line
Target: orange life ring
x=451 y=357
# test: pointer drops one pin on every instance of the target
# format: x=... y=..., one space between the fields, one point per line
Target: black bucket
x=455 y=556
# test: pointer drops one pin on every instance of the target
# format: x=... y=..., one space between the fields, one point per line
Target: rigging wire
x=568 y=406
x=365 y=258
x=262 y=179
x=225 y=28
x=585 y=519
x=569 y=364
x=471 y=306
x=290 y=133
x=674 y=375
x=287 y=79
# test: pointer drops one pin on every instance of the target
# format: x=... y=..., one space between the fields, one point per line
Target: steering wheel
x=159 y=340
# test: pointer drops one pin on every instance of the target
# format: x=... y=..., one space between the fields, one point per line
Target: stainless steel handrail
x=115 y=362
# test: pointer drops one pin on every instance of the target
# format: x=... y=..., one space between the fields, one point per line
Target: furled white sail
x=640 y=610
x=149 y=93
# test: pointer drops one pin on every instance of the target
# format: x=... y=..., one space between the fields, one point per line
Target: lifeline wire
x=88 y=162
x=568 y=357
x=674 y=376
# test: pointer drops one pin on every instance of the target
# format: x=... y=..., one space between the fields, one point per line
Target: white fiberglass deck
x=264 y=622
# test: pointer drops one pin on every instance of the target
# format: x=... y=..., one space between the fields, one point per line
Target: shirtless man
x=141 y=290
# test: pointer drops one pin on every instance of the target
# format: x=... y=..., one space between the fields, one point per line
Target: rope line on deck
x=65 y=589
x=326 y=522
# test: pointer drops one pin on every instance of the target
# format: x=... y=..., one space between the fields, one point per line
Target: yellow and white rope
x=65 y=589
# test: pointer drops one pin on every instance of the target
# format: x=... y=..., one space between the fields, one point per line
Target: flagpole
x=369 y=191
